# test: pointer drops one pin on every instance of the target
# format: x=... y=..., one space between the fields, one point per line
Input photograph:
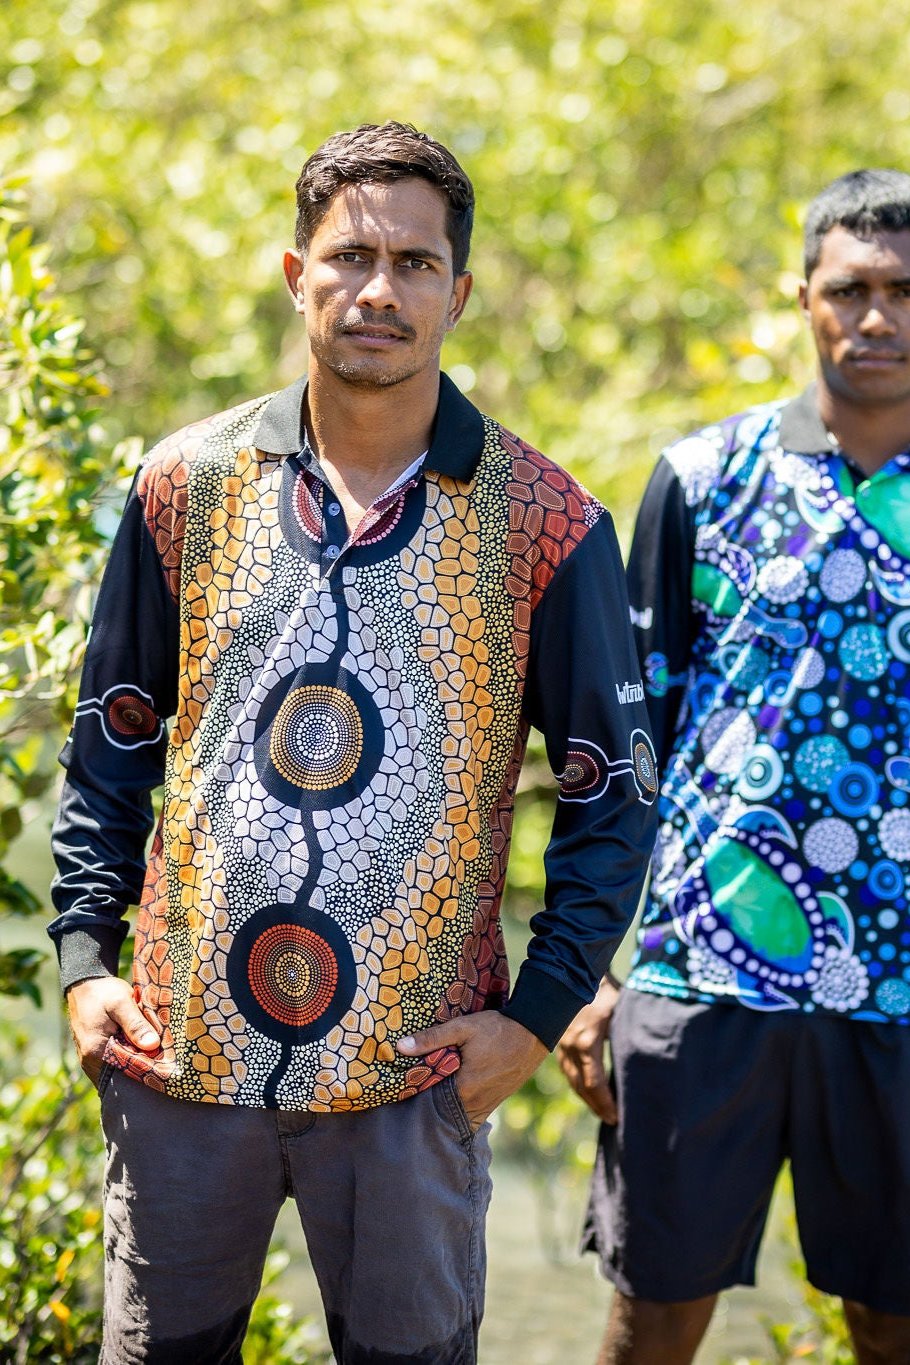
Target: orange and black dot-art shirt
x=338 y=719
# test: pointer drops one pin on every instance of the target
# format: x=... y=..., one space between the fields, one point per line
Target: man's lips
x=376 y=332
x=871 y=357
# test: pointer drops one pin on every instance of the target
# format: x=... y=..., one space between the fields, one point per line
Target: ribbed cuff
x=83 y=953
x=542 y=1004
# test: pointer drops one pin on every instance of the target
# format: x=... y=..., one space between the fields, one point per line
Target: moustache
x=357 y=321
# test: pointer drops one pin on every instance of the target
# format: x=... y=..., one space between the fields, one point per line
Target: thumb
x=135 y=1025
x=449 y=1034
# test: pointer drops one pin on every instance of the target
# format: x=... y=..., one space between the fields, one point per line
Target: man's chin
x=366 y=376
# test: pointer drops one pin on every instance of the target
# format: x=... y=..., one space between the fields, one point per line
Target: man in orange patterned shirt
x=353 y=597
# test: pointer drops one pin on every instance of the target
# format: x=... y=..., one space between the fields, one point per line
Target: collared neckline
x=455 y=446
x=802 y=430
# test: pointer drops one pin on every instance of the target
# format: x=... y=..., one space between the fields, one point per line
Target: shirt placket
x=336 y=538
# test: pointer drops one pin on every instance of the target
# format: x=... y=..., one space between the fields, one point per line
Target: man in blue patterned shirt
x=765 y=1014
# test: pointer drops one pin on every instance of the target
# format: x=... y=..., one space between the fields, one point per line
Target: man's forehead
x=843 y=252
x=410 y=205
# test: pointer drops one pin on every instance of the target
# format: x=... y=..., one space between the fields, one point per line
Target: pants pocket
x=451 y=1110
x=104 y=1079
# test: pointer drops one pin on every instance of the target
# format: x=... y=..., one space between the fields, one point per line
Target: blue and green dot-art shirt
x=338 y=717
x=771 y=602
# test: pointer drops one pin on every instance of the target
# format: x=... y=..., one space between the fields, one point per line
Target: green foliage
x=52 y=475
x=639 y=171
x=50 y=1223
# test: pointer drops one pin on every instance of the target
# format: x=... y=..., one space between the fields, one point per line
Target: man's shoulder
x=701 y=457
x=536 y=479
x=550 y=513
x=167 y=465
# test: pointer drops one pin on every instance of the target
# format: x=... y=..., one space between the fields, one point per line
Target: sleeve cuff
x=83 y=953
x=542 y=1004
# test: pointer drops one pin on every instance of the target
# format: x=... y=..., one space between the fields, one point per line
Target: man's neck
x=870 y=435
x=366 y=437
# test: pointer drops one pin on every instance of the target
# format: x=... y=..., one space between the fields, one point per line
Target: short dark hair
x=376 y=154
x=862 y=202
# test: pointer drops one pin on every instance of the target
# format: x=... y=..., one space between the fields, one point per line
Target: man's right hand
x=581 y=1053
x=99 y=1007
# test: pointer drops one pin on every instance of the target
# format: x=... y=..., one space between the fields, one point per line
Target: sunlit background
x=640 y=171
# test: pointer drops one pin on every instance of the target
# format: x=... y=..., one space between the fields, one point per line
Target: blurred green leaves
x=639 y=171
x=54 y=469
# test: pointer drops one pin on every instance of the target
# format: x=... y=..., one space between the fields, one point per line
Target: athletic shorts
x=712 y=1100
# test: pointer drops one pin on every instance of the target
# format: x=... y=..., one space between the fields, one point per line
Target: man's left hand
x=497 y=1056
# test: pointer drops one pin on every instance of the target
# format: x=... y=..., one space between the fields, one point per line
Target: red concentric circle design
x=130 y=716
x=293 y=974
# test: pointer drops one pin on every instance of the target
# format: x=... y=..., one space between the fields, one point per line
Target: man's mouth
x=872 y=356
x=380 y=332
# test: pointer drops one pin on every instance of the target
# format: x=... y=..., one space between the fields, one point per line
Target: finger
x=449 y=1034
x=138 y=1029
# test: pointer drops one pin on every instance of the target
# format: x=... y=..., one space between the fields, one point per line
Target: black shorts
x=712 y=1099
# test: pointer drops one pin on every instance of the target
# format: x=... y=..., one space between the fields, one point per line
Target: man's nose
x=877 y=319
x=378 y=290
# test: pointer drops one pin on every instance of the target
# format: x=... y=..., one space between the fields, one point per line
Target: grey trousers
x=392 y=1201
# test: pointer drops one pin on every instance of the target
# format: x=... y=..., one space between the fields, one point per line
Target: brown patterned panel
x=549 y=516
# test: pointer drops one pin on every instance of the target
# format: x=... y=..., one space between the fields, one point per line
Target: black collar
x=455 y=446
x=801 y=430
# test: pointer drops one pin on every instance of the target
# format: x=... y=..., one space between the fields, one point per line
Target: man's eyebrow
x=425 y=253
x=857 y=281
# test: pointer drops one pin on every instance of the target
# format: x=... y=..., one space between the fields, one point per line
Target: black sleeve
x=660 y=593
x=584 y=693
x=115 y=753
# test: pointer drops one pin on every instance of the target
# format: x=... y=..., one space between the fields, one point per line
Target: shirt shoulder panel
x=709 y=456
x=550 y=513
x=163 y=480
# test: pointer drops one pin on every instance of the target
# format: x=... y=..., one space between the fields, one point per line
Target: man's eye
x=415 y=263
x=349 y=256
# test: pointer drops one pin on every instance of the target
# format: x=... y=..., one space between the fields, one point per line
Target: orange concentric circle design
x=316 y=740
x=293 y=974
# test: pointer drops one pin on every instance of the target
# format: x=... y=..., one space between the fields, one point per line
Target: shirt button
x=332 y=552
x=333 y=509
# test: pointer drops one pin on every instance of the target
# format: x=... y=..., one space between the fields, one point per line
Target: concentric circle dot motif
x=886 y=880
x=316 y=740
x=293 y=974
x=899 y=636
x=762 y=773
x=854 y=789
x=644 y=767
x=130 y=716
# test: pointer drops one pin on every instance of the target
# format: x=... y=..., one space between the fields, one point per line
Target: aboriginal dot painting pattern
x=337 y=815
x=782 y=870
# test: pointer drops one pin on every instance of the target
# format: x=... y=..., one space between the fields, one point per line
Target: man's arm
x=659 y=579
x=114 y=758
x=583 y=692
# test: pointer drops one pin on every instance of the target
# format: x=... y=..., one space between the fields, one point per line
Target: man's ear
x=461 y=292
x=804 y=298
x=293 y=272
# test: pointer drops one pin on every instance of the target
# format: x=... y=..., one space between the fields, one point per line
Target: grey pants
x=392 y=1202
